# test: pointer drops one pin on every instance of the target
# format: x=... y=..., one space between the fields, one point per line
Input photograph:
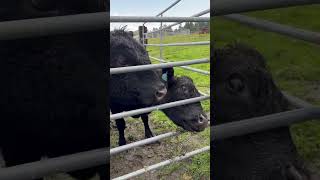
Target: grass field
x=197 y=167
x=295 y=64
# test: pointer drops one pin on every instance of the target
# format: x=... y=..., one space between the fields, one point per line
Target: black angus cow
x=190 y=117
x=141 y=89
x=53 y=95
x=135 y=90
x=243 y=89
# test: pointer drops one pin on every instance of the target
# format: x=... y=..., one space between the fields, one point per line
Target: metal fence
x=84 y=22
x=305 y=111
x=163 y=64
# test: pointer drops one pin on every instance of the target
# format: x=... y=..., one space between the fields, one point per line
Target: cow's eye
x=185 y=89
x=43 y=5
x=122 y=61
x=235 y=83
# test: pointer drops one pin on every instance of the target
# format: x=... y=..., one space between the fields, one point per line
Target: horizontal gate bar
x=120 y=149
x=53 y=25
x=184 y=67
x=171 y=25
x=265 y=25
x=296 y=101
x=223 y=7
x=163 y=163
x=100 y=156
x=129 y=19
x=61 y=164
x=130 y=69
x=257 y=124
x=126 y=147
x=113 y=151
x=73 y=23
x=82 y=160
x=181 y=44
x=158 y=107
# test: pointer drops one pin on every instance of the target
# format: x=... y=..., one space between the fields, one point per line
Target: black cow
x=141 y=89
x=135 y=90
x=243 y=89
x=190 y=117
x=53 y=95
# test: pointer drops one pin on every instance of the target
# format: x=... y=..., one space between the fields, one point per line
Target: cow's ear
x=164 y=75
x=168 y=75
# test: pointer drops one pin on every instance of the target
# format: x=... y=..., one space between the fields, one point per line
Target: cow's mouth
x=196 y=125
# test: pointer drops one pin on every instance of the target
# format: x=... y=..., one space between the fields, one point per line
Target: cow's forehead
x=125 y=41
x=231 y=63
x=184 y=80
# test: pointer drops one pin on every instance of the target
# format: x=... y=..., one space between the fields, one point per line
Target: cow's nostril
x=161 y=93
x=201 y=119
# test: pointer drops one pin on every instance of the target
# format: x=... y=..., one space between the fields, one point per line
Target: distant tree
x=188 y=25
x=197 y=26
x=193 y=27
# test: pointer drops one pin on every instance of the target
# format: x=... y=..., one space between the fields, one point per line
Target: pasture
x=197 y=167
x=295 y=64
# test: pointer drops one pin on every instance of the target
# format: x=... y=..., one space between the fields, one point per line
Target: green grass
x=295 y=64
x=199 y=166
x=181 y=53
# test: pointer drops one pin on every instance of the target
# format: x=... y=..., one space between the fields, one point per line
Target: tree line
x=192 y=26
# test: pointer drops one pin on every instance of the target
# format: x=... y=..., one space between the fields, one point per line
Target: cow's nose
x=161 y=93
x=202 y=119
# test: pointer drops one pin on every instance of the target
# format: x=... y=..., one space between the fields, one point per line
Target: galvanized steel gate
x=164 y=64
x=84 y=22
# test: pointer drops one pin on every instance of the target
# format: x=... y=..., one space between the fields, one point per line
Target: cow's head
x=191 y=117
x=142 y=88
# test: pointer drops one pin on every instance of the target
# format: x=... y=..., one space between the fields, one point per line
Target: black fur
x=131 y=90
x=53 y=88
x=243 y=89
x=191 y=117
x=136 y=90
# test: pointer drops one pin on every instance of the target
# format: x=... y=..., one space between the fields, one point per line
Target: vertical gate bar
x=143 y=35
x=161 y=48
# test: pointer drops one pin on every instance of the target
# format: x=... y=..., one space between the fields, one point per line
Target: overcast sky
x=184 y=8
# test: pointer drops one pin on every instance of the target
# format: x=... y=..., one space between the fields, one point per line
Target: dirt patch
x=140 y=157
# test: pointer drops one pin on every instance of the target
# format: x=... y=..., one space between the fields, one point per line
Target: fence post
x=142 y=36
x=161 y=48
x=131 y=33
x=145 y=30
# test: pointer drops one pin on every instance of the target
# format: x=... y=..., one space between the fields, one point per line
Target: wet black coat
x=53 y=88
x=243 y=89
